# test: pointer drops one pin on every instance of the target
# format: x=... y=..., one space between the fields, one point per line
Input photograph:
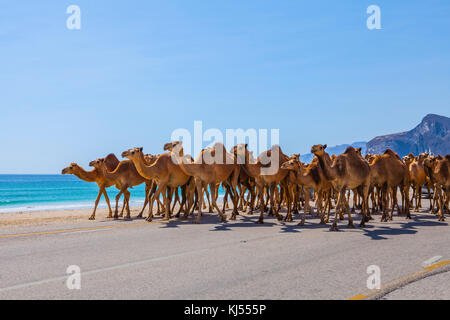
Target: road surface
x=236 y=260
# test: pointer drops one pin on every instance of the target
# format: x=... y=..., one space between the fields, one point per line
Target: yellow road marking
x=78 y=229
x=408 y=278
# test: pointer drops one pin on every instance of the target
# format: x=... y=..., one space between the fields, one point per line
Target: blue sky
x=137 y=70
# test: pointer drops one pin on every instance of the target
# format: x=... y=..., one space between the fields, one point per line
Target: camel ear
x=141 y=148
x=246 y=145
x=324 y=146
x=360 y=149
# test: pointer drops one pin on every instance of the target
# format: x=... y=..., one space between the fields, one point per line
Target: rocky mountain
x=431 y=135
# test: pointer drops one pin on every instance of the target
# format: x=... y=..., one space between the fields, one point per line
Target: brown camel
x=418 y=177
x=388 y=172
x=310 y=177
x=95 y=176
x=438 y=170
x=124 y=176
x=213 y=166
x=164 y=172
x=348 y=171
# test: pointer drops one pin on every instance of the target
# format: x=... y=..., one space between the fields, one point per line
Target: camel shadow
x=407 y=227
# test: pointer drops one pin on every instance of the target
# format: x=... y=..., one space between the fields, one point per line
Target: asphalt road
x=235 y=260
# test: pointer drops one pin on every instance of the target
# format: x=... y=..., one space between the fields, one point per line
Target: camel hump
x=111 y=162
x=392 y=153
x=349 y=149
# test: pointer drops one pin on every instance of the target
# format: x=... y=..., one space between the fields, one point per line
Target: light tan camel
x=124 y=176
x=348 y=171
x=271 y=181
x=164 y=172
x=213 y=166
x=169 y=147
x=95 y=176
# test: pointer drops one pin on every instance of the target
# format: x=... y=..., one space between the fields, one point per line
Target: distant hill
x=431 y=135
x=336 y=150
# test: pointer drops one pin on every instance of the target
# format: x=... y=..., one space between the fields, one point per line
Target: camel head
x=172 y=145
x=318 y=149
x=150 y=158
x=422 y=156
x=239 y=149
x=132 y=153
x=71 y=169
x=429 y=162
x=97 y=163
x=292 y=164
x=295 y=156
x=409 y=158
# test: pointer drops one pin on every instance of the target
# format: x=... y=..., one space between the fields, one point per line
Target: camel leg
x=212 y=187
x=384 y=192
x=199 y=186
x=166 y=201
x=116 y=211
x=305 y=208
x=127 y=195
x=341 y=197
x=260 y=191
x=273 y=189
x=406 y=209
x=124 y=203
x=147 y=192
x=225 y=197
x=252 y=195
x=394 y=202
x=92 y=217
x=441 y=204
x=155 y=196
x=288 y=217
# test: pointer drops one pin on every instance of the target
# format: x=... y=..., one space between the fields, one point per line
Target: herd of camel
x=328 y=180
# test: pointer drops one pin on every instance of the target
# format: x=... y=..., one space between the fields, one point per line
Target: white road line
x=431 y=261
x=120 y=266
x=84 y=231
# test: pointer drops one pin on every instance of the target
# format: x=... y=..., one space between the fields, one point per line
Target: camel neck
x=146 y=171
x=88 y=176
x=327 y=169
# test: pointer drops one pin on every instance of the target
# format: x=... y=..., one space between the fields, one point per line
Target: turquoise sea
x=54 y=192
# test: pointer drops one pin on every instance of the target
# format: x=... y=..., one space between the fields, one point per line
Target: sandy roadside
x=35 y=218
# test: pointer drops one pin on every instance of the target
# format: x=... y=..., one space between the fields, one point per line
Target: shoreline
x=47 y=217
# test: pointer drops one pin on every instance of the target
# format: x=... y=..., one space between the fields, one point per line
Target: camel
x=254 y=170
x=163 y=171
x=245 y=181
x=438 y=170
x=310 y=177
x=213 y=166
x=169 y=147
x=387 y=171
x=124 y=176
x=348 y=171
x=96 y=176
x=418 y=177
